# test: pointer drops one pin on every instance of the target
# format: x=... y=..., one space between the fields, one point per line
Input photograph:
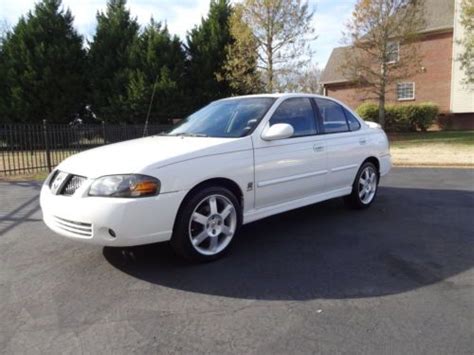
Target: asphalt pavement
x=397 y=278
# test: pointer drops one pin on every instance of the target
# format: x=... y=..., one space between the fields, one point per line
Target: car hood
x=137 y=155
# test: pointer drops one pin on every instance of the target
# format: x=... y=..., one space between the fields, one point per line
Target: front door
x=291 y=168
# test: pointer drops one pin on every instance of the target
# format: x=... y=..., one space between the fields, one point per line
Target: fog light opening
x=112 y=233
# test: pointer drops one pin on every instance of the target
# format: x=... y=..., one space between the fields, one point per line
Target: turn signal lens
x=145 y=188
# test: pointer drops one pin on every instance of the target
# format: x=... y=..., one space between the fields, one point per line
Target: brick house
x=439 y=79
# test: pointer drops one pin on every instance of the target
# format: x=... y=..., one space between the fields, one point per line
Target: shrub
x=425 y=115
x=402 y=118
x=368 y=111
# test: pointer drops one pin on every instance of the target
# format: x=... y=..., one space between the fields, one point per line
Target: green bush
x=424 y=115
x=368 y=111
x=401 y=118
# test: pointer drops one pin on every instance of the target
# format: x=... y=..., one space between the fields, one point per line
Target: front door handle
x=318 y=148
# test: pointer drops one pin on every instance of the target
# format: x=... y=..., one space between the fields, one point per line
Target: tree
x=4 y=29
x=240 y=68
x=110 y=60
x=466 y=58
x=282 y=30
x=157 y=65
x=206 y=50
x=382 y=35
x=305 y=80
x=42 y=62
x=3 y=70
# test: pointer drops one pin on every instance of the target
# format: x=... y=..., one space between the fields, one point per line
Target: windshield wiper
x=186 y=134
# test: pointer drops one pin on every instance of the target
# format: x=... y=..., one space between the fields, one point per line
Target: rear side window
x=353 y=122
x=333 y=117
x=297 y=112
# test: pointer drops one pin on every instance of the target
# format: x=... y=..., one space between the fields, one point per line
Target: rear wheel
x=207 y=224
x=364 y=188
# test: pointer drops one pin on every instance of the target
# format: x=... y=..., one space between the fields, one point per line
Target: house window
x=393 y=54
x=405 y=91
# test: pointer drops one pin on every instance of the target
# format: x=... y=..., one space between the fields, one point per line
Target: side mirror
x=278 y=131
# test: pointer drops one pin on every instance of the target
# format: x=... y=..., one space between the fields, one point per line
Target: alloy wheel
x=212 y=224
x=367 y=185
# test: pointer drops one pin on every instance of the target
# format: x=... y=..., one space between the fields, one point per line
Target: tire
x=364 y=188
x=206 y=224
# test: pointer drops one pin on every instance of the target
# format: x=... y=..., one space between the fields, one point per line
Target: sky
x=182 y=15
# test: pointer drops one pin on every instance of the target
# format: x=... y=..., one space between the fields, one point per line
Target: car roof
x=275 y=95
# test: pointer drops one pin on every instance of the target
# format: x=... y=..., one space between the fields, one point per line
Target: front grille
x=72 y=185
x=80 y=229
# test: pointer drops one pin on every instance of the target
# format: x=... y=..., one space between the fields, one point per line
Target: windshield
x=225 y=118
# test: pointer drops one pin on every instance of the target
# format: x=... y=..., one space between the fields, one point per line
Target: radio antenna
x=145 y=129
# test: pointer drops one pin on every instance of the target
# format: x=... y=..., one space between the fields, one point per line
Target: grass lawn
x=444 y=148
x=40 y=177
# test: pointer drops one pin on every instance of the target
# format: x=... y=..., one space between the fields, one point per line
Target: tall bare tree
x=306 y=79
x=283 y=31
x=466 y=58
x=382 y=35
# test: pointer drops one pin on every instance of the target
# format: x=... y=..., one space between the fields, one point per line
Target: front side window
x=333 y=117
x=225 y=118
x=393 y=49
x=405 y=91
x=297 y=112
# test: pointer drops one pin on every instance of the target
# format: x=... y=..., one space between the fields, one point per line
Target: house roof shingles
x=439 y=15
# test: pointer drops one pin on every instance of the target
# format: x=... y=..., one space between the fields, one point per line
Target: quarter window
x=332 y=114
x=405 y=91
x=353 y=122
x=297 y=112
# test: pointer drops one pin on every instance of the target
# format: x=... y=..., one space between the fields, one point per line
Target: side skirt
x=256 y=214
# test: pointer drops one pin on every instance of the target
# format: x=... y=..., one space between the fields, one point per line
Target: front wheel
x=206 y=224
x=364 y=188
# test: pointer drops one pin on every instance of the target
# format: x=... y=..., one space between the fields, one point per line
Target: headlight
x=125 y=186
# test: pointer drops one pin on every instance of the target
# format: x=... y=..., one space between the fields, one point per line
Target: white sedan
x=235 y=161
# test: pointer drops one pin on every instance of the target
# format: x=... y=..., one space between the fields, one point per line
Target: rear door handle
x=318 y=148
x=362 y=141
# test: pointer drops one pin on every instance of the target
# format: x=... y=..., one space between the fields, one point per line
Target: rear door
x=291 y=168
x=346 y=143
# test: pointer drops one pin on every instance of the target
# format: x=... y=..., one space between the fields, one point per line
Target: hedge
x=401 y=118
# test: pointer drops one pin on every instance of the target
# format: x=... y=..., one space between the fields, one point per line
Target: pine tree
x=157 y=60
x=206 y=50
x=42 y=61
x=110 y=59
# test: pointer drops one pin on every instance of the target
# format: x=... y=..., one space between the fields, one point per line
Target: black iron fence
x=32 y=148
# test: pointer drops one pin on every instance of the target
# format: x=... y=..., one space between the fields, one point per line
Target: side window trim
x=318 y=118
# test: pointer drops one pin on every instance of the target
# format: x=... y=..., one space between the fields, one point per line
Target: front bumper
x=133 y=221
x=385 y=164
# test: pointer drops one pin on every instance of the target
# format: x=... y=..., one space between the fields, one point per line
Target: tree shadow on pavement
x=408 y=239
